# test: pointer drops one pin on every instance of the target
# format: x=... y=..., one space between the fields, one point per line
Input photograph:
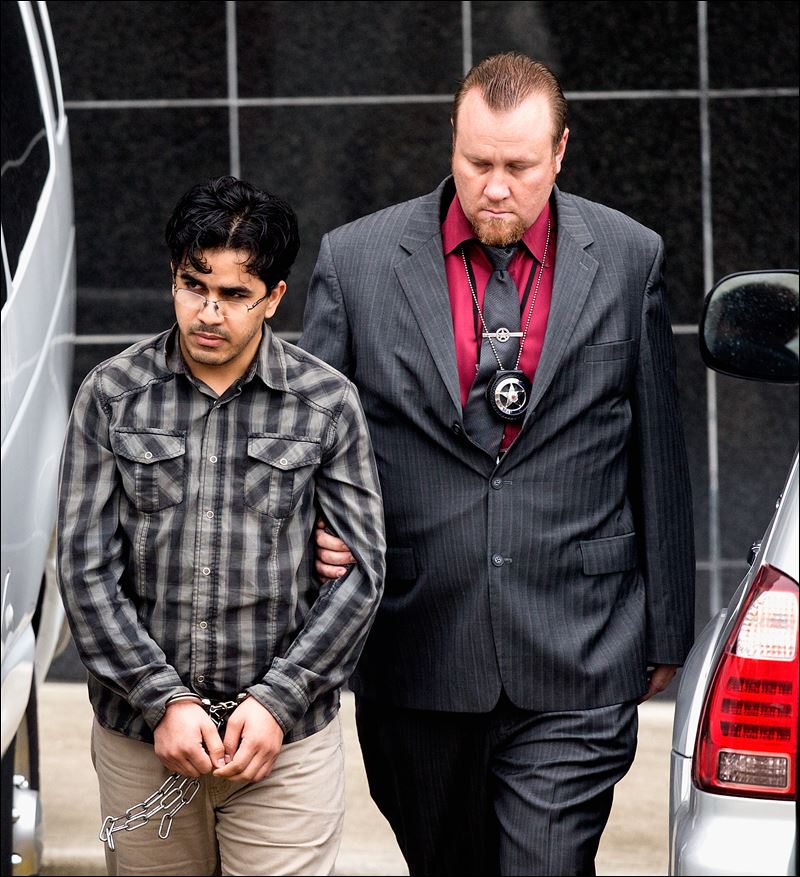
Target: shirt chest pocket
x=151 y=463
x=279 y=468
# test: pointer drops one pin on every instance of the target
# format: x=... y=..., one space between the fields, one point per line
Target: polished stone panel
x=758 y=434
x=754 y=183
x=140 y=50
x=596 y=46
x=753 y=45
x=130 y=169
x=618 y=154
x=692 y=394
x=359 y=159
x=334 y=48
x=126 y=310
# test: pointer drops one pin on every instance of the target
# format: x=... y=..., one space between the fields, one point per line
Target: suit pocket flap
x=609 y=350
x=284 y=451
x=148 y=445
x=400 y=564
x=614 y=554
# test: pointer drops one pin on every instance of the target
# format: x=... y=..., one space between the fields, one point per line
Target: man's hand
x=660 y=678
x=253 y=740
x=186 y=740
x=333 y=556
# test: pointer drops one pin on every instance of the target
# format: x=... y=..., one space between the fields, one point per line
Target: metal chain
x=530 y=309
x=175 y=792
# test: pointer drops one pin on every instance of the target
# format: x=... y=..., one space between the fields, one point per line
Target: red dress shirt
x=456 y=231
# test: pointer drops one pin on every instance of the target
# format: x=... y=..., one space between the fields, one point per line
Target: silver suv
x=733 y=767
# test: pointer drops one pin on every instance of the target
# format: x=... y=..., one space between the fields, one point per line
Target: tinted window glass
x=25 y=154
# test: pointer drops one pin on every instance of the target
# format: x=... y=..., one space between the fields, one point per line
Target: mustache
x=202 y=329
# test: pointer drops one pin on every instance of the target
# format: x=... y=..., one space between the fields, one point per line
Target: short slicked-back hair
x=230 y=214
x=506 y=80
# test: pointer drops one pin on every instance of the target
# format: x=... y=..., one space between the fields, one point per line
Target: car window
x=25 y=152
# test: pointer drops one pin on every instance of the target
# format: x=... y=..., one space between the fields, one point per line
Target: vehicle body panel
x=734 y=832
x=36 y=345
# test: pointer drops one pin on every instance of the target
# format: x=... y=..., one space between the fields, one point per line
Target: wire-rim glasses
x=227 y=308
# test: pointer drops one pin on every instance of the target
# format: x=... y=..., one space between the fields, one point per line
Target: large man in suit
x=540 y=561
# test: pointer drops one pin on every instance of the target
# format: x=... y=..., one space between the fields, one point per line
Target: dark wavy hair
x=229 y=214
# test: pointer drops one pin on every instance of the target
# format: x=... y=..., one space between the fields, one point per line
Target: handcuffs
x=176 y=791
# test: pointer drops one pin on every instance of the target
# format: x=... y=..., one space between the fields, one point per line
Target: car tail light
x=747 y=743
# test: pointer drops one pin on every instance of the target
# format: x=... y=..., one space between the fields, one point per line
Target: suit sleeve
x=666 y=535
x=326 y=328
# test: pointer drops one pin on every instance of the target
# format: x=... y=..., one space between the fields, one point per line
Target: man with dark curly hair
x=194 y=467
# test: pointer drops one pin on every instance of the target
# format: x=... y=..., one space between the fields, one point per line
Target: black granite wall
x=343 y=108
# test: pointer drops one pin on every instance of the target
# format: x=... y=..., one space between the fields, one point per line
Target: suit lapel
x=423 y=279
x=574 y=273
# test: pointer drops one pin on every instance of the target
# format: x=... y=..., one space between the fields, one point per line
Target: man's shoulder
x=131 y=369
x=603 y=220
x=313 y=379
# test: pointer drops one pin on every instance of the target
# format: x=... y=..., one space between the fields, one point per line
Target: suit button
x=497 y=483
x=457 y=428
x=497 y=559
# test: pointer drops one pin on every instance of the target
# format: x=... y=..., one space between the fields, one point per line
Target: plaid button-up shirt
x=185 y=520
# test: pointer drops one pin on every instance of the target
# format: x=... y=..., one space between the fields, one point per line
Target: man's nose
x=497 y=188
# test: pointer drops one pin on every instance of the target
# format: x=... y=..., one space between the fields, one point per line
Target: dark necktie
x=500 y=311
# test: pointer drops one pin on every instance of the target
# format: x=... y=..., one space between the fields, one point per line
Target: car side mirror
x=749 y=328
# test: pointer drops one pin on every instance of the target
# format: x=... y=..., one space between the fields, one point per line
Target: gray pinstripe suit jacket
x=561 y=572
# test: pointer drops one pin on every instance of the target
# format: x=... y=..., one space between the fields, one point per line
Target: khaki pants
x=289 y=823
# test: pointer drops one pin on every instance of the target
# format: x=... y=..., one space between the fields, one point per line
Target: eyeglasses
x=227 y=307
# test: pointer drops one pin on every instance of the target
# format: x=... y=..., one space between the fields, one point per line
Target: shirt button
x=497 y=559
x=148 y=456
x=457 y=428
x=497 y=483
x=212 y=459
x=200 y=678
x=283 y=461
x=206 y=571
x=203 y=625
x=209 y=514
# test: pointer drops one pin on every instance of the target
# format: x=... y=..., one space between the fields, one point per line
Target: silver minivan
x=37 y=325
x=733 y=771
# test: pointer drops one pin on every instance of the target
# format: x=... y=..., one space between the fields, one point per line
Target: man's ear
x=274 y=299
x=561 y=150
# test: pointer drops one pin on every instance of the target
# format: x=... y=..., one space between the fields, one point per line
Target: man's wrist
x=185 y=696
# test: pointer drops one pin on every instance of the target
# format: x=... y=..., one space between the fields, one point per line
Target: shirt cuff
x=151 y=695
x=282 y=696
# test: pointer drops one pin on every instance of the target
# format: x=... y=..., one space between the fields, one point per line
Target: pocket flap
x=608 y=351
x=613 y=554
x=148 y=445
x=284 y=451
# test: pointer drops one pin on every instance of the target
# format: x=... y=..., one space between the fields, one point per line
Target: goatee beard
x=498 y=232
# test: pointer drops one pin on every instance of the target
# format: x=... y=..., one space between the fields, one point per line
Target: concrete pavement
x=635 y=841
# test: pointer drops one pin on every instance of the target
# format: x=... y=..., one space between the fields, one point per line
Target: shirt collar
x=456 y=230
x=269 y=363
